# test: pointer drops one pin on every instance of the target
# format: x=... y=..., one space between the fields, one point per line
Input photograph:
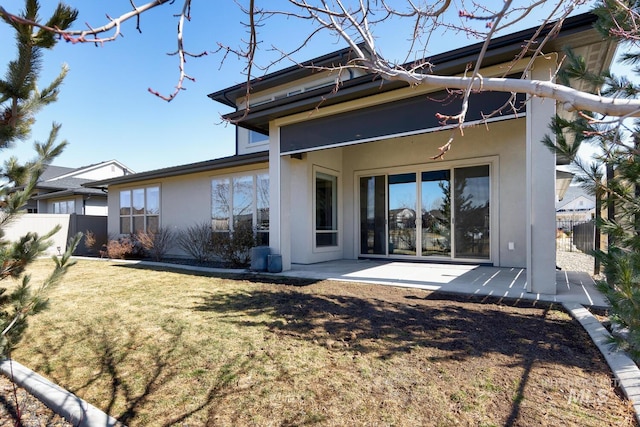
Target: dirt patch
x=517 y=363
x=154 y=347
x=29 y=410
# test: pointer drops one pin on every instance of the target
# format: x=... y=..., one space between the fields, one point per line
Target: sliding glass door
x=431 y=214
x=471 y=212
x=373 y=220
x=436 y=213
x=402 y=192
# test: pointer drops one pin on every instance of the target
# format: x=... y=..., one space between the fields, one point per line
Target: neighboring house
x=60 y=190
x=327 y=175
x=576 y=207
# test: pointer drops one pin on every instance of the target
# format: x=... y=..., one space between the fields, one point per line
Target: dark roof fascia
x=74 y=192
x=191 y=168
x=501 y=49
x=229 y=95
x=360 y=87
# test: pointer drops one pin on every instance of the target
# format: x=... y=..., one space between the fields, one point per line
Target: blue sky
x=105 y=109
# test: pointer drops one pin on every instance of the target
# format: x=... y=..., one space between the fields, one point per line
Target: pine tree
x=613 y=176
x=20 y=100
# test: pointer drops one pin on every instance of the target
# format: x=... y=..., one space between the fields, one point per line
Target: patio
x=573 y=286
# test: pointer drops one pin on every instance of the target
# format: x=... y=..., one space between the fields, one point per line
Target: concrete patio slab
x=574 y=287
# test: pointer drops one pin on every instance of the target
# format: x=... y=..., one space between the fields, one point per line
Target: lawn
x=156 y=348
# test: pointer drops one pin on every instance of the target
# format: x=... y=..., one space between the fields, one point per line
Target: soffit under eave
x=598 y=55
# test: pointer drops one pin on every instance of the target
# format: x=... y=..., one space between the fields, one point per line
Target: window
x=257 y=137
x=221 y=201
x=64 y=207
x=326 y=209
x=140 y=210
x=241 y=200
x=262 y=208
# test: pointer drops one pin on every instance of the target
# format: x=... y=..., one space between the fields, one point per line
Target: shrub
x=235 y=247
x=156 y=243
x=622 y=290
x=89 y=240
x=120 y=248
x=196 y=241
x=126 y=247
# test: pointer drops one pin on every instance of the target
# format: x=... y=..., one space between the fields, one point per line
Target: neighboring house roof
x=574 y=193
x=65 y=187
x=60 y=181
x=208 y=165
x=563 y=182
x=54 y=171
x=88 y=168
x=71 y=192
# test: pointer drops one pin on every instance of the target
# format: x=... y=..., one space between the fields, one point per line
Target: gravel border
x=64 y=403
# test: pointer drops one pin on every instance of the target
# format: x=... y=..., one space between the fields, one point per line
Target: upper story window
x=140 y=210
x=257 y=137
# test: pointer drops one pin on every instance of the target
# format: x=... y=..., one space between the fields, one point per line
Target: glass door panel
x=471 y=212
x=402 y=214
x=373 y=215
x=436 y=213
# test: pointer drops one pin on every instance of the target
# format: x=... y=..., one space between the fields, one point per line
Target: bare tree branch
x=356 y=23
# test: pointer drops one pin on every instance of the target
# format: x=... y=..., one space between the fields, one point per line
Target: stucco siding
x=302 y=214
x=96 y=206
x=185 y=200
x=502 y=141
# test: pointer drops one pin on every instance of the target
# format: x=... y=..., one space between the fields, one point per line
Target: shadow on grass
x=383 y=328
x=460 y=328
x=133 y=368
x=384 y=325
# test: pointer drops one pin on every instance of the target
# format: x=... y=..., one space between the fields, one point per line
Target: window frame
x=336 y=217
x=70 y=206
x=230 y=181
x=146 y=212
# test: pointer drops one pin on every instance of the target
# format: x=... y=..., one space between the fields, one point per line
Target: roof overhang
x=577 y=32
x=71 y=192
x=191 y=168
x=563 y=181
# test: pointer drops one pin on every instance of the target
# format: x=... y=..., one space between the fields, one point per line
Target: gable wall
x=107 y=171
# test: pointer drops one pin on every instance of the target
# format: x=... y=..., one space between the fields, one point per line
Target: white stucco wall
x=184 y=200
x=503 y=144
x=302 y=226
x=96 y=206
x=41 y=224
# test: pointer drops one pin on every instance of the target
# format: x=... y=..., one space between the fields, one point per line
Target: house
x=327 y=175
x=576 y=207
x=59 y=190
x=60 y=200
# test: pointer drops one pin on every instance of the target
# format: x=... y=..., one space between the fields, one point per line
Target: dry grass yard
x=159 y=348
